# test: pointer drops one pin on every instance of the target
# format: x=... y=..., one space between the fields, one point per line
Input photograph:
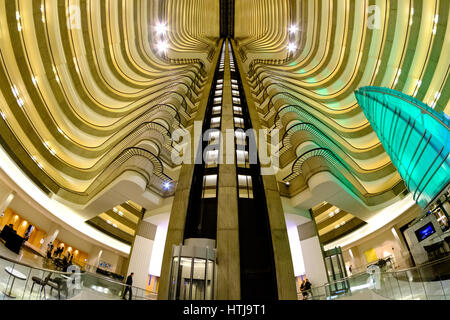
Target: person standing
x=350 y=269
x=129 y=283
x=307 y=286
x=49 y=250
x=28 y=232
x=303 y=290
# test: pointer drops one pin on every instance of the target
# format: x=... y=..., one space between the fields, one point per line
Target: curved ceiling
x=89 y=96
x=92 y=90
x=305 y=60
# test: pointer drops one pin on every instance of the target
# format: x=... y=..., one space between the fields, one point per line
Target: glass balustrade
x=430 y=281
x=19 y=281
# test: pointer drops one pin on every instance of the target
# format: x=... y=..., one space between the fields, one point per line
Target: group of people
x=67 y=260
x=305 y=288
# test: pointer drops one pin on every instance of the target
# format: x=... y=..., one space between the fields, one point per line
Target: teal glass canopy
x=415 y=137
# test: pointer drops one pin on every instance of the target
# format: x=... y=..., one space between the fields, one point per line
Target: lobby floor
x=22 y=288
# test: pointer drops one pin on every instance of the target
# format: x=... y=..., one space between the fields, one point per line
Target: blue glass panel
x=414 y=135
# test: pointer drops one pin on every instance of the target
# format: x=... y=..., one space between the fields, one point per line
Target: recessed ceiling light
x=291 y=47
x=161 y=28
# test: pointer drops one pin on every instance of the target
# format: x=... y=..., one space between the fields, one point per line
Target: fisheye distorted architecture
x=224 y=149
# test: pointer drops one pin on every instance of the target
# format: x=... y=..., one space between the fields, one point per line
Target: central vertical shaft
x=228 y=266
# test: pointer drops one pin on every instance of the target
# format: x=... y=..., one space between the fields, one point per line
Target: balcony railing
x=19 y=281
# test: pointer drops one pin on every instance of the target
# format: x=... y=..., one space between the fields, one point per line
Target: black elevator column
x=257 y=262
x=227 y=18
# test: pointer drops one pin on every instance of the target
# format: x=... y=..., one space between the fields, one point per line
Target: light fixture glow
x=291 y=47
x=293 y=29
x=166 y=185
x=162 y=46
x=161 y=28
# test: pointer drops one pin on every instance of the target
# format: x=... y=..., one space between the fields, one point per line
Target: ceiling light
x=293 y=28
x=161 y=28
x=291 y=47
x=162 y=46
x=120 y=213
x=114 y=225
x=288 y=184
x=166 y=185
x=15 y=91
x=108 y=222
x=337 y=210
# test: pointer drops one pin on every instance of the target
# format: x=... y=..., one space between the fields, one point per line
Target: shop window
x=216 y=110
x=215 y=122
x=242 y=159
x=245 y=186
x=209 y=186
x=238 y=122
x=211 y=158
x=240 y=138
x=237 y=110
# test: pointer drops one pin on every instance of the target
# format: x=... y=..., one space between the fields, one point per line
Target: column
x=312 y=254
x=280 y=240
x=5 y=201
x=52 y=233
x=141 y=253
x=94 y=259
x=177 y=220
x=228 y=266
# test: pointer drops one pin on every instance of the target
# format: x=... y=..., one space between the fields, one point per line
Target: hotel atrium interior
x=224 y=149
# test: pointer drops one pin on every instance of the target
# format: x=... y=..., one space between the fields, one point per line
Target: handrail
x=69 y=273
x=354 y=276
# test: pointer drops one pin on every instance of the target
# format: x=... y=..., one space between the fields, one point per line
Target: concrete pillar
x=280 y=239
x=228 y=284
x=312 y=254
x=5 y=201
x=52 y=233
x=141 y=253
x=178 y=213
x=94 y=259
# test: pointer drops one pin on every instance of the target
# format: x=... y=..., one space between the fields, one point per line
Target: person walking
x=129 y=283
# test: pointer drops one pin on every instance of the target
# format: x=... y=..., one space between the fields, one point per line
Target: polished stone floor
x=22 y=288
